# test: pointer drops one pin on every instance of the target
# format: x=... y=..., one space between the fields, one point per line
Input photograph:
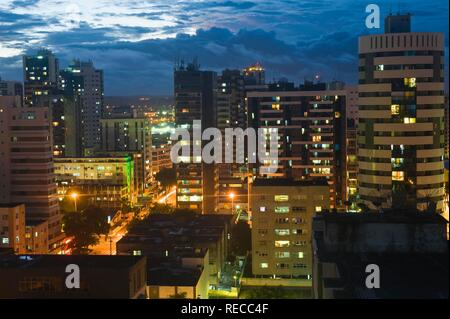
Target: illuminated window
x=397 y=162
x=410 y=82
x=317 y=138
x=262 y=209
x=282 y=243
x=282 y=254
x=300 y=254
x=409 y=120
x=398 y=175
x=395 y=109
x=281 y=198
x=337 y=115
x=380 y=67
x=264 y=265
x=282 y=209
x=318 y=209
x=137 y=253
x=275 y=106
x=282 y=232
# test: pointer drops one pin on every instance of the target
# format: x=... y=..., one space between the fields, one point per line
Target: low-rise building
x=107 y=181
x=36 y=236
x=12 y=227
x=408 y=249
x=44 y=276
x=282 y=212
x=185 y=276
x=172 y=235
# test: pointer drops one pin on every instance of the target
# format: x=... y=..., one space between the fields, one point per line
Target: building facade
x=11 y=88
x=311 y=132
x=195 y=100
x=84 y=83
x=282 y=212
x=232 y=113
x=401 y=118
x=12 y=227
x=107 y=182
x=27 y=166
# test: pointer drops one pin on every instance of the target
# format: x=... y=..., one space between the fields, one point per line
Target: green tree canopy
x=85 y=226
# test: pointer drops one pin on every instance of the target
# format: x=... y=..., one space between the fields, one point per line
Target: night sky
x=137 y=42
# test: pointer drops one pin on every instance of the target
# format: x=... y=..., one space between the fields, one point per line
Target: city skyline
x=282 y=35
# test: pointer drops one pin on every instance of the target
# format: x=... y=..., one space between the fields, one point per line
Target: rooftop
x=53 y=261
x=288 y=182
x=387 y=216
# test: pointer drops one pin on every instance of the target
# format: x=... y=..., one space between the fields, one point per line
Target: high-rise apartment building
x=232 y=113
x=282 y=212
x=84 y=83
x=351 y=169
x=40 y=75
x=401 y=118
x=195 y=100
x=254 y=75
x=11 y=88
x=27 y=165
x=311 y=132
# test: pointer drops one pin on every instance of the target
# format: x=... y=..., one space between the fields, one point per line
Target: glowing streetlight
x=232 y=196
x=74 y=197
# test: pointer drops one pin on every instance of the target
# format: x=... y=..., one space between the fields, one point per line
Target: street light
x=74 y=197
x=232 y=195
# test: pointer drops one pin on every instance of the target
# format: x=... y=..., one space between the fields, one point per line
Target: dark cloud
x=292 y=38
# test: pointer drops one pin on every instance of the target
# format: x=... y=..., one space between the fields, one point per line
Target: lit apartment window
x=409 y=120
x=317 y=138
x=262 y=209
x=398 y=175
x=282 y=232
x=281 y=198
x=282 y=243
x=395 y=109
x=410 y=82
x=137 y=253
x=276 y=106
x=264 y=265
x=282 y=254
x=380 y=67
x=5 y=240
x=397 y=162
x=300 y=254
x=282 y=209
x=318 y=209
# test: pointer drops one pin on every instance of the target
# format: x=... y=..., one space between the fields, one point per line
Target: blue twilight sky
x=137 y=41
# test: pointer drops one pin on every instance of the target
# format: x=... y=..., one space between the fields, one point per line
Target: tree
x=241 y=238
x=157 y=208
x=85 y=227
x=167 y=177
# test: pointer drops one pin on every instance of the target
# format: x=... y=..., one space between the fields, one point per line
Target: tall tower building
x=27 y=164
x=195 y=100
x=401 y=117
x=84 y=83
x=231 y=113
x=254 y=75
x=311 y=132
x=40 y=75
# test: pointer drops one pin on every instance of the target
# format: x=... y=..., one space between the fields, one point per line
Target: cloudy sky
x=137 y=42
